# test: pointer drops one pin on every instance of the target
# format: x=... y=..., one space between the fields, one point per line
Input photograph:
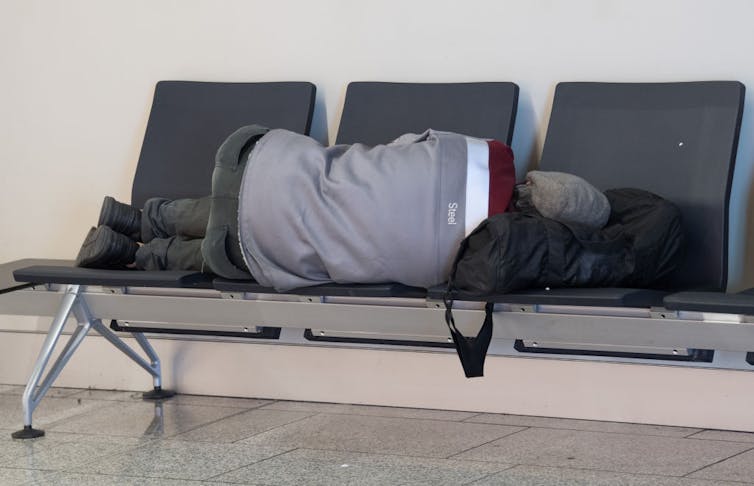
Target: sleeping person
x=292 y=213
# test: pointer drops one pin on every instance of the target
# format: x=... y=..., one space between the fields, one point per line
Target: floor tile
x=738 y=468
x=242 y=426
x=382 y=435
x=180 y=460
x=103 y=437
x=75 y=479
x=10 y=449
x=111 y=395
x=552 y=476
x=143 y=419
x=325 y=468
x=370 y=410
x=13 y=477
x=66 y=450
x=588 y=425
x=50 y=410
x=612 y=452
x=724 y=435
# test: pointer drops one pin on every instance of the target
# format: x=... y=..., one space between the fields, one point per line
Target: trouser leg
x=221 y=248
x=163 y=218
x=173 y=253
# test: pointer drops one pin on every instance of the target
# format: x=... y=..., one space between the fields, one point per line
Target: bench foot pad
x=28 y=433
x=157 y=394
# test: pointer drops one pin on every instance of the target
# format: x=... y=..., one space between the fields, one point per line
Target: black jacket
x=639 y=247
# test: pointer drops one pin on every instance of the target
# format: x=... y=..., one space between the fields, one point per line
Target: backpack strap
x=472 y=351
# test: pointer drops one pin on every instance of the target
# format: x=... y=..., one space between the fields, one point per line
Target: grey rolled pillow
x=568 y=199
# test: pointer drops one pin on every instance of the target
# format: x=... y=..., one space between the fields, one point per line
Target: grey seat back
x=677 y=140
x=378 y=112
x=189 y=120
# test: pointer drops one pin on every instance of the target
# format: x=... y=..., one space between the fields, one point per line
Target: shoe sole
x=107 y=211
x=95 y=248
x=119 y=217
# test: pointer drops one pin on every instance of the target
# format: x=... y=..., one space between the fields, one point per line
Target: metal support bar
x=125 y=348
x=31 y=398
x=33 y=393
x=153 y=368
x=73 y=343
x=105 y=332
x=142 y=340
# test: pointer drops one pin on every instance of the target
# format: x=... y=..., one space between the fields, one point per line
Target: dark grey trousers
x=172 y=232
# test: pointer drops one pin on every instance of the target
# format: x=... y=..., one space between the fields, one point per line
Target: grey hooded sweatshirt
x=310 y=214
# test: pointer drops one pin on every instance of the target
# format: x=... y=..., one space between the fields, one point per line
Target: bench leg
x=157 y=393
x=33 y=395
x=73 y=303
x=153 y=367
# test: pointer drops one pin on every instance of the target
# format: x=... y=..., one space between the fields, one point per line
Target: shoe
x=121 y=217
x=105 y=248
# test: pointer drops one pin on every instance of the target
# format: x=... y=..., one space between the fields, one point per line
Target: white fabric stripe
x=477 y=182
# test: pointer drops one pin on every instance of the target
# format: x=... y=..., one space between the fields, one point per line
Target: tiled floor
x=111 y=437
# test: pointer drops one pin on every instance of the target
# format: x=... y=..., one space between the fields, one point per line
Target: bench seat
x=333 y=290
x=591 y=297
x=717 y=302
x=69 y=274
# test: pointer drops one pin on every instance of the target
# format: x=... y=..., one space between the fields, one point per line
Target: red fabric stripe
x=502 y=177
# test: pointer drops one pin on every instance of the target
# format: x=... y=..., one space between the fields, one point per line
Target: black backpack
x=639 y=247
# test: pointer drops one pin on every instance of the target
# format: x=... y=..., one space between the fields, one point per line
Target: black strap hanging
x=471 y=350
